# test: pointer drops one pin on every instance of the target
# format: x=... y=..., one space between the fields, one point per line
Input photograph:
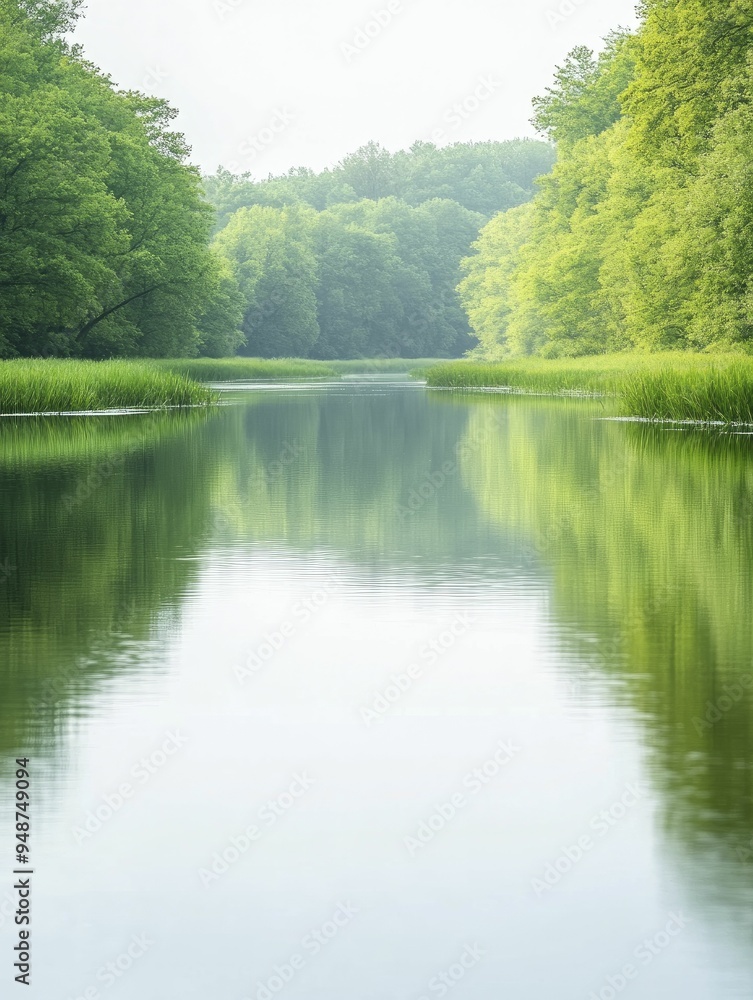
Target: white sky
x=234 y=68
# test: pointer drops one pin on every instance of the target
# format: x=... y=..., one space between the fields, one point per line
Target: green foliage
x=585 y=98
x=245 y=369
x=251 y=369
x=667 y=386
x=103 y=228
x=365 y=279
x=55 y=386
x=640 y=236
x=483 y=177
x=387 y=233
x=274 y=264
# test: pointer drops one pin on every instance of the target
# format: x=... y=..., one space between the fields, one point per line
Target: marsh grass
x=56 y=386
x=245 y=369
x=722 y=393
x=666 y=386
x=377 y=366
x=253 y=369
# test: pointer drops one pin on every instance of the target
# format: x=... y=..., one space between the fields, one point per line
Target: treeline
x=364 y=260
x=642 y=236
x=104 y=230
x=484 y=177
x=112 y=245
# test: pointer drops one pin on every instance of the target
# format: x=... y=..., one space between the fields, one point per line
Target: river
x=356 y=691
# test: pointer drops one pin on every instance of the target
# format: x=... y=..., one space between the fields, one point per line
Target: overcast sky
x=263 y=86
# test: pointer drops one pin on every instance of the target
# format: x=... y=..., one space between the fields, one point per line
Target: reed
x=257 y=369
x=245 y=369
x=665 y=386
x=62 y=386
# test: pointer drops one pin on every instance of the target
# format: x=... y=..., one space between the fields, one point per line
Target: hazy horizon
x=264 y=89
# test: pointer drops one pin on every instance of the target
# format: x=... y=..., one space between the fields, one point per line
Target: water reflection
x=606 y=567
x=647 y=532
x=95 y=513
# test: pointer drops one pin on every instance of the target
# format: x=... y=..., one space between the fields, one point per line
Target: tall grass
x=57 y=386
x=666 y=386
x=251 y=369
x=245 y=369
x=720 y=393
x=377 y=366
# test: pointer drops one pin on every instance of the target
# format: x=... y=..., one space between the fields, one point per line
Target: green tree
x=103 y=229
x=273 y=259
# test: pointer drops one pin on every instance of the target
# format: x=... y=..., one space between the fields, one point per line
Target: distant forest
x=364 y=260
x=628 y=226
x=110 y=245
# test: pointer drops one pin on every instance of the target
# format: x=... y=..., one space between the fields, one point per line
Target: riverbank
x=254 y=369
x=62 y=386
x=666 y=386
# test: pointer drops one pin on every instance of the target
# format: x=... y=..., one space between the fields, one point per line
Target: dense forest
x=104 y=230
x=364 y=260
x=112 y=244
x=642 y=236
x=109 y=245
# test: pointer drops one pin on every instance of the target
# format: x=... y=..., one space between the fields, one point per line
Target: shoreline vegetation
x=60 y=386
x=53 y=385
x=682 y=386
x=239 y=369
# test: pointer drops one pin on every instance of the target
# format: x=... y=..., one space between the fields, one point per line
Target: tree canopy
x=484 y=177
x=641 y=236
x=364 y=260
x=104 y=233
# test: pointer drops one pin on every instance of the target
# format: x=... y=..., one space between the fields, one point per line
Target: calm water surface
x=360 y=692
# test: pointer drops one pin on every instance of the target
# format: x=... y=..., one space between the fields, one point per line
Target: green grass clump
x=245 y=369
x=666 y=386
x=720 y=393
x=57 y=386
x=541 y=375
